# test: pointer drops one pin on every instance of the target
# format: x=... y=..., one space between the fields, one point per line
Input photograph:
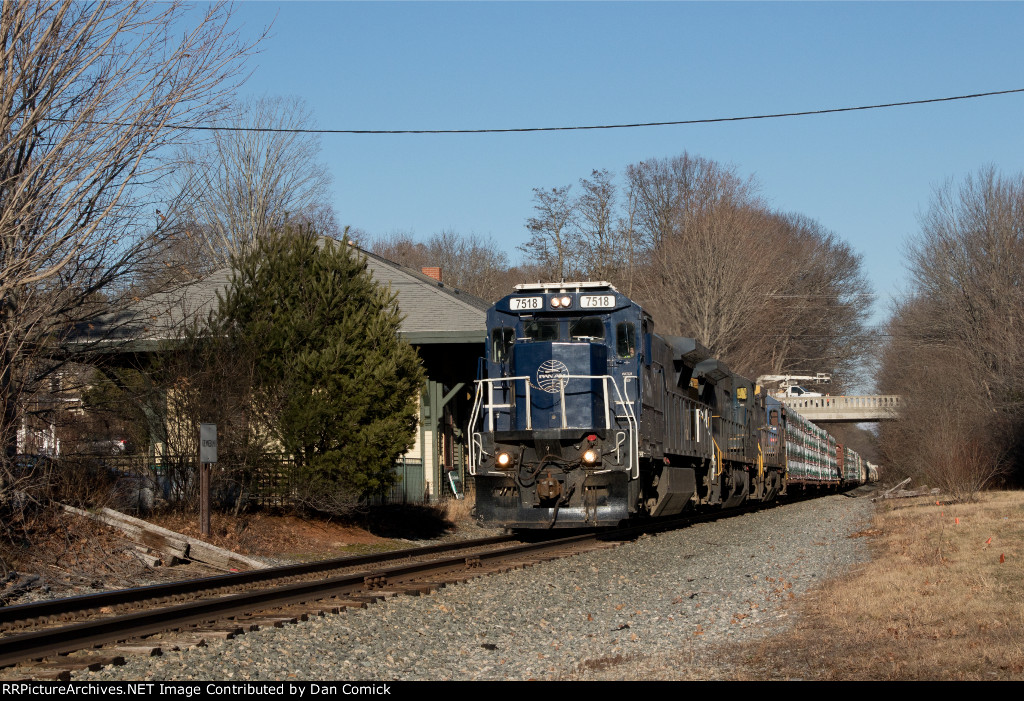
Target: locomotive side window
x=541 y=330
x=625 y=339
x=587 y=328
x=501 y=344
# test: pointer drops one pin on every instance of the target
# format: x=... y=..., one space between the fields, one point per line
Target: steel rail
x=120 y=597
x=66 y=639
x=61 y=640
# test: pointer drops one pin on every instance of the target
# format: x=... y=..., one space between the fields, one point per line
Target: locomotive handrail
x=491 y=406
x=716 y=464
x=563 y=380
x=476 y=441
x=630 y=416
x=605 y=379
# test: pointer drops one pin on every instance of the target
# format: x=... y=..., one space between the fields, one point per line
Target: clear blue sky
x=864 y=175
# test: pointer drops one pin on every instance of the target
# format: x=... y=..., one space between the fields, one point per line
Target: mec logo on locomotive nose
x=552 y=376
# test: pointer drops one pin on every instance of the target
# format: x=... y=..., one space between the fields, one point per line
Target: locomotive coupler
x=549 y=487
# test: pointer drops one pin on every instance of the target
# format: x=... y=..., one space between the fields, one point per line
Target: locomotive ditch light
x=504 y=460
x=590 y=456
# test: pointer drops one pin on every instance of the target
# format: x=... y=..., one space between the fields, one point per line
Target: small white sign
x=207 y=442
x=522 y=304
x=597 y=301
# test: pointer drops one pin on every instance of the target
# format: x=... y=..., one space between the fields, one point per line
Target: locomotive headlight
x=590 y=456
x=556 y=302
x=566 y=301
x=504 y=460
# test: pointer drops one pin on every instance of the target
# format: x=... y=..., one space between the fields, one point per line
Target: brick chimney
x=433 y=272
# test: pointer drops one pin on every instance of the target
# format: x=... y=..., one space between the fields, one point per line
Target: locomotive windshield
x=541 y=330
x=587 y=328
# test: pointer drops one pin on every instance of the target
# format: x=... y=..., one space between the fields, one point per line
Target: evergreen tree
x=330 y=361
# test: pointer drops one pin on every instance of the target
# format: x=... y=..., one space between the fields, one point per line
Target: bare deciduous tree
x=709 y=278
x=247 y=182
x=692 y=216
x=552 y=246
x=767 y=292
x=969 y=261
x=955 y=343
x=401 y=247
x=471 y=263
x=814 y=321
x=93 y=95
x=947 y=435
x=602 y=248
x=668 y=190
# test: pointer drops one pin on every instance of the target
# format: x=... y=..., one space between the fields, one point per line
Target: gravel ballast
x=663 y=596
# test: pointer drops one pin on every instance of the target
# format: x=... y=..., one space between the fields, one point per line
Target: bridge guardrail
x=866 y=403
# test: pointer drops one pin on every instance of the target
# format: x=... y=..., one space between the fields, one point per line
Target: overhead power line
x=822 y=296
x=712 y=120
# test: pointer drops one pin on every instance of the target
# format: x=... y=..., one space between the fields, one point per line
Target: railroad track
x=67 y=610
x=52 y=639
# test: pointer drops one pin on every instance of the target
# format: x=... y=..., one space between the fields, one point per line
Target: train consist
x=586 y=418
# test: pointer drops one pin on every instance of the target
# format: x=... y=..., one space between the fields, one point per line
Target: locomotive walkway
x=864 y=408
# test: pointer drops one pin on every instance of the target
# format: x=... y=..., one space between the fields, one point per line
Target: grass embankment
x=943 y=598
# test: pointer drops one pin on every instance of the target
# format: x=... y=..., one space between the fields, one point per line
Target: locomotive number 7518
x=524 y=303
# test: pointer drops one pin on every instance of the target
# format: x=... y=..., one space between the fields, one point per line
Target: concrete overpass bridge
x=853 y=409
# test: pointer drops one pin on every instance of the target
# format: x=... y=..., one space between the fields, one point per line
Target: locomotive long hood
x=712 y=369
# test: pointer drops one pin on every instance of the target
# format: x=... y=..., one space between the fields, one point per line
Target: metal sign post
x=207 y=456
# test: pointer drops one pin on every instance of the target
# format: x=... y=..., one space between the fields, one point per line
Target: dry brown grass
x=936 y=602
x=942 y=599
x=459 y=510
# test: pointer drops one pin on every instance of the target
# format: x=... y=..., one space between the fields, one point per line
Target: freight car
x=584 y=417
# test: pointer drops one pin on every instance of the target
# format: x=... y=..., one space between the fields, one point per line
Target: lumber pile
x=898 y=492
x=163 y=545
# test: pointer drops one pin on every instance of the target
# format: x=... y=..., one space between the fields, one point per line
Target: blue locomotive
x=585 y=417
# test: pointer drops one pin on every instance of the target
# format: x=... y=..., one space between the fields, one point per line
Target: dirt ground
x=278 y=536
x=63 y=554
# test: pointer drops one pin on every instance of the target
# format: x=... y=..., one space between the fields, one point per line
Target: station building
x=446 y=326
